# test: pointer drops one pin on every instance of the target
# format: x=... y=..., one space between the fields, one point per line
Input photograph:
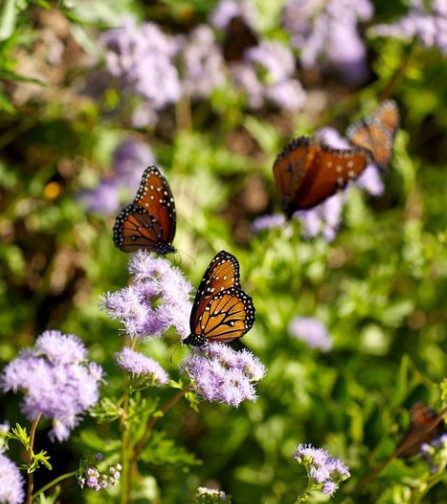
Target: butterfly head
x=288 y=206
x=197 y=340
x=165 y=248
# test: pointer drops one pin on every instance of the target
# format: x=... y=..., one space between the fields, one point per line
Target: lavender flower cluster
x=56 y=380
x=222 y=374
x=328 y=31
x=427 y=23
x=435 y=453
x=138 y=365
x=210 y=496
x=324 y=471
x=11 y=482
x=95 y=480
x=129 y=160
x=312 y=332
x=157 y=299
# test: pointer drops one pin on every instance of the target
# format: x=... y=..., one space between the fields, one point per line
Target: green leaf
x=8 y=18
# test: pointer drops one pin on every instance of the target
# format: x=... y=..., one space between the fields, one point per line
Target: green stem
x=431 y=482
x=54 y=483
x=305 y=494
x=30 y=456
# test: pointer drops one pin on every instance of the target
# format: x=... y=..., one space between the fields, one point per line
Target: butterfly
x=307 y=172
x=376 y=134
x=239 y=37
x=148 y=223
x=222 y=311
x=425 y=426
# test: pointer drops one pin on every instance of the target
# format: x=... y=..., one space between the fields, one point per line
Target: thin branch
x=30 y=455
x=53 y=483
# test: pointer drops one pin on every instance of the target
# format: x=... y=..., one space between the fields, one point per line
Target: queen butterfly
x=376 y=134
x=307 y=172
x=148 y=223
x=425 y=426
x=222 y=311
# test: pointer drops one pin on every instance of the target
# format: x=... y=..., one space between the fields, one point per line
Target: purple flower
x=267 y=222
x=130 y=159
x=155 y=301
x=207 y=495
x=55 y=383
x=330 y=33
x=203 y=64
x=11 y=482
x=95 y=480
x=323 y=469
x=226 y=10
x=312 y=332
x=426 y=23
x=266 y=74
x=138 y=364
x=222 y=374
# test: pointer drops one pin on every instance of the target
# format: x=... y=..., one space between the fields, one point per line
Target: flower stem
x=125 y=428
x=151 y=424
x=429 y=483
x=30 y=456
x=53 y=483
x=305 y=494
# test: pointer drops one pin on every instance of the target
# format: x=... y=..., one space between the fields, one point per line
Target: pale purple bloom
x=427 y=23
x=203 y=65
x=138 y=364
x=435 y=452
x=328 y=31
x=266 y=74
x=130 y=159
x=322 y=468
x=11 y=482
x=55 y=383
x=267 y=222
x=226 y=10
x=222 y=374
x=155 y=301
x=95 y=480
x=312 y=332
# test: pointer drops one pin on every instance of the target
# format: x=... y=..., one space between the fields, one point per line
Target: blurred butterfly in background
x=307 y=172
x=222 y=311
x=376 y=134
x=426 y=425
x=239 y=37
x=148 y=223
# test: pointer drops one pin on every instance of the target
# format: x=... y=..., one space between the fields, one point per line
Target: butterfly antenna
x=190 y=257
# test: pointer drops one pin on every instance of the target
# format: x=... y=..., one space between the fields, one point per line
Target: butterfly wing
x=239 y=37
x=388 y=115
x=307 y=172
x=425 y=426
x=227 y=316
x=149 y=222
x=221 y=274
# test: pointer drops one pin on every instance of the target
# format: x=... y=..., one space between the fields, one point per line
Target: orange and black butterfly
x=426 y=425
x=239 y=37
x=148 y=223
x=376 y=134
x=222 y=311
x=307 y=172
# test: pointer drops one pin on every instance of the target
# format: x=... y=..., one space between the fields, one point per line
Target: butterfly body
x=307 y=172
x=149 y=222
x=222 y=311
x=376 y=134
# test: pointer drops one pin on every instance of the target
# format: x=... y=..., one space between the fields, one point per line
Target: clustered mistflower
x=265 y=222
x=425 y=21
x=11 y=482
x=157 y=299
x=222 y=374
x=312 y=332
x=96 y=480
x=435 y=453
x=56 y=379
x=129 y=160
x=324 y=471
x=328 y=32
x=138 y=365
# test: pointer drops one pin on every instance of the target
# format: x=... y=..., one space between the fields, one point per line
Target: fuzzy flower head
x=11 y=482
x=435 y=453
x=267 y=74
x=312 y=332
x=56 y=381
x=226 y=10
x=221 y=374
x=138 y=365
x=157 y=299
x=327 y=31
x=267 y=222
x=211 y=496
x=95 y=480
x=324 y=471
